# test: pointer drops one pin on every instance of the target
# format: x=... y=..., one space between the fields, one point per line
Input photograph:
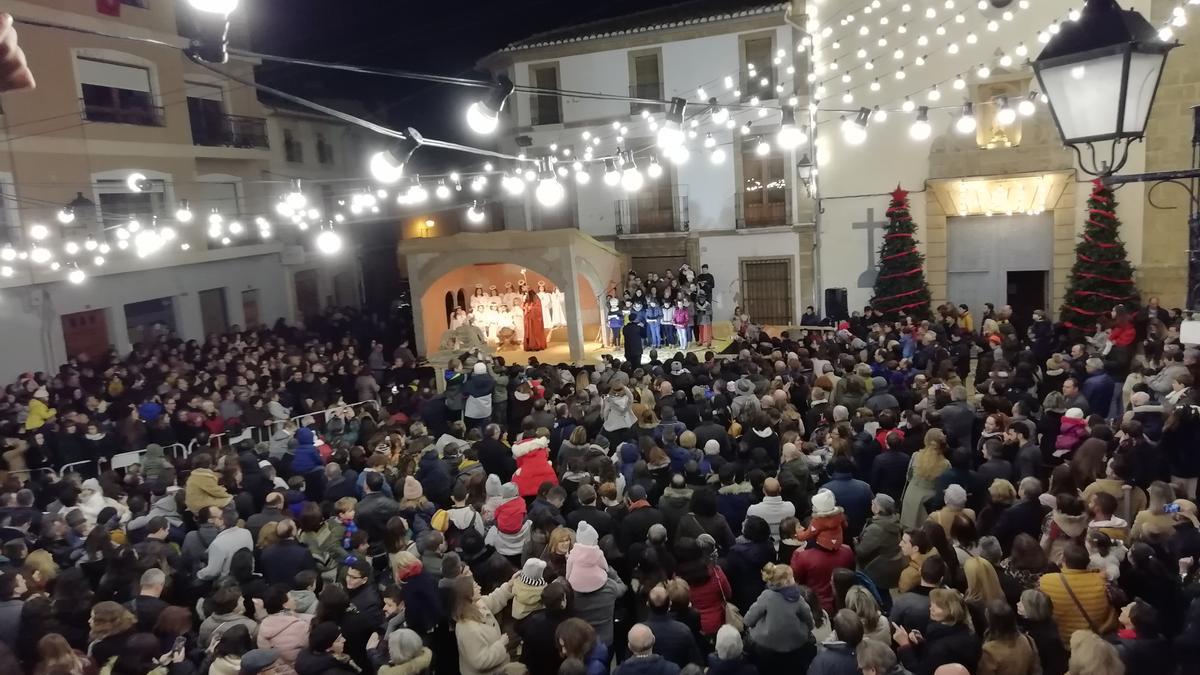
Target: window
x=767 y=291
x=324 y=150
x=763 y=193
x=116 y=92
x=148 y=320
x=214 y=315
x=140 y=4
x=118 y=205
x=758 y=52
x=293 y=151
x=546 y=109
x=206 y=111
x=645 y=73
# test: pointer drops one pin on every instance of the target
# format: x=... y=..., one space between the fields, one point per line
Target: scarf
x=639 y=504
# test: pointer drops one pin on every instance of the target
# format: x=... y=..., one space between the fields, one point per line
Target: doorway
x=250 y=308
x=308 y=297
x=86 y=333
x=1026 y=291
x=994 y=258
x=214 y=315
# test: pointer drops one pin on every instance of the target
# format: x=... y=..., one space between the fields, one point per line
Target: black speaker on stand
x=836 y=304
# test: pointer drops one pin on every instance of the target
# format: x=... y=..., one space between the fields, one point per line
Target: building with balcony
x=103 y=109
x=998 y=210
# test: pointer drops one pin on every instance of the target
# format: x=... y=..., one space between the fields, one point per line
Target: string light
x=920 y=129
x=854 y=130
x=484 y=116
x=966 y=122
x=475 y=214
x=1005 y=115
x=65 y=215
x=328 y=242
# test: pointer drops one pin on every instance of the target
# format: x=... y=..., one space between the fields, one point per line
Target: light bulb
x=717 y=156
x=104 y=248
x=655 y=169
x=513 y=184
x=984 y=72
x=236 y=228
x=76 y=276
x=1005 y=61
x=549 y=191
x=670 y=136
x=384 y=169
x=133 y=225
x=934 y=94
x=790 y=137
x=481 y=120
x=880 y=115
x=329 y=242
x=632 y=179
x=1022 y=50
x=920 y=129
x=183 y=214
x=965 y=124
x=122 y=234
x=6 y=271
x=167 y=233
x=98 y=260
x=55 y=266
x=40 y=255
x=71 y=248
x=66 y=216
x=762 y=148
x=136 y=182
x=442 y=191
x=582 y=177
x=222 y=7
x=853 y=133
x=680 y=155
x=612 y=177
x=90 y=244
x=280 y=207
x=1026 y=107
x=476 y=214
x=8 y=253
x=720 y=115
x=908 y=105
x=416 y=194
x=39 y=231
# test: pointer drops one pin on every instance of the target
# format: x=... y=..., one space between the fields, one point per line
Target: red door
x=86 y=333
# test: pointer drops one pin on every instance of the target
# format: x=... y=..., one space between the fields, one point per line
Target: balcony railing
x=146 y=116
x=233 y=131
x=651 y=214
x=753 y=211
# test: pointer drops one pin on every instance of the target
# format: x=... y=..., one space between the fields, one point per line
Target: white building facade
x=997 y=209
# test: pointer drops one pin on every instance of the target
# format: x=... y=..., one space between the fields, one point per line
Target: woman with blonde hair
x=482 y=645
x=1092 y=655
x=1155 y=520
x=875 y=626
x=55 y=655
x=558 y=545
x=950 y=637
x=926 y=466
x=780 y=624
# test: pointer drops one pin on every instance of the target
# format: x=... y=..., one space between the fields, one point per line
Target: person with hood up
x=616 y=410
x=954 y=498
x=533 y=465
x=1072 y=432
x=512 y=529
x=881 y=397
x=202 y=488
x=40 y=411
x=1068 y=523
x=828 y=524
x=878 y=550
x=478 y=390
x=744 y=563
x=306 y=457
x=527 y=589
x=675 y=502
x=92 y=501
x=434 y=477
x=780 y=623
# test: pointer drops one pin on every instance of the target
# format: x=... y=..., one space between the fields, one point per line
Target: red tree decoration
x=1102 y=276
x=900 y=286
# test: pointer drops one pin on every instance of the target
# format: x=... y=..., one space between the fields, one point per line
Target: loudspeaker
x=836 y=304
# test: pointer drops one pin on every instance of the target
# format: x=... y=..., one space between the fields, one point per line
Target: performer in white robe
x=458 y=318
x=544 y=296
x=517 y=314
x=477 y=298
x=510 y=295
x=559 y=301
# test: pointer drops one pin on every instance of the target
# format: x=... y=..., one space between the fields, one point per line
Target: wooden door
x=250 y=308
x=86 y=333
x=308 y=297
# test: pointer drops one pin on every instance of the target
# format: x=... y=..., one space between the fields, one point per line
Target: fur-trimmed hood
x=529 y=445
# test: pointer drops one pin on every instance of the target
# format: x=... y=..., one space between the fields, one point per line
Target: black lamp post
x=1100 y=74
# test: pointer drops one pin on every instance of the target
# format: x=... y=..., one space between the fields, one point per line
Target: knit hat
x=955 y=496
x=586 y=534
x=480 y=368
x=824 y=503
x=712 y=447
x=744 y=386
x=533 y=571
x=676 y=367
x=884 y=503
x=41 y=393
x=412 y=488
x=257 y=660
x=508 y=491
x=1075 y=413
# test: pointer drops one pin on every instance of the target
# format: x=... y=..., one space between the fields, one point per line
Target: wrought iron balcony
x=142 y=115
x=234 y=131
x=652 y=213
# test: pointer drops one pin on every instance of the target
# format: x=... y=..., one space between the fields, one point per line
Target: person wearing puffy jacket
x=283 y=629
x=39 y=411
x=306 y=457
x=1072 y=431
x=533 y=465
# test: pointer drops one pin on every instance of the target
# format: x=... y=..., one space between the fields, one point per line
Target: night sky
x=446 y=37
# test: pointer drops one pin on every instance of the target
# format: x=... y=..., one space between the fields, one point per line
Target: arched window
x=449 y=306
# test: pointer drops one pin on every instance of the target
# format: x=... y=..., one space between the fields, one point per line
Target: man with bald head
x=772 y=508
x=673 y=640
x=643 y=660
x=952 y=669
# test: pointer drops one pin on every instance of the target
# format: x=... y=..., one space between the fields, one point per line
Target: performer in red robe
x=535 y=330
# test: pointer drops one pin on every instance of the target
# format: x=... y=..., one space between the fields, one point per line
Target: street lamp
x=1099 y=75
x=806 y=170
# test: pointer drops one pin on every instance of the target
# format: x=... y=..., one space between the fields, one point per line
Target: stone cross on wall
x=867 y=278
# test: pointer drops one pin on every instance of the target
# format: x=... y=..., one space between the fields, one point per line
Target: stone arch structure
x=563 y=257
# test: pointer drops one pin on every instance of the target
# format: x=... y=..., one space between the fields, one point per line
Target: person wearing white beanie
x=712 y=447
x=955 y=499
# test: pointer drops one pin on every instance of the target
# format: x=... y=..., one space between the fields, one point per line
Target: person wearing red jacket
x=533 y=465
x=814 y=566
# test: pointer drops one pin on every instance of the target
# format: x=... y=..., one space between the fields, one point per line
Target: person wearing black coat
x=638 y=520
x=1025 y=516
x=283 y=560
x=889 y=471
x=489 y=568
x=632 y=334
x=673 y=640
x=422 y=601
x=495 y=456
x=539 y=648
x=435 y=480
x=942 y=643
x=744 y=563
x=375 y=509
x=324 y=654
x=710 y=430
x=1147 y=651
x=1187 y=643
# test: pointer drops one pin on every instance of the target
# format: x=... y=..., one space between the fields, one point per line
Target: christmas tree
x=1102 y=276
x=900 y=286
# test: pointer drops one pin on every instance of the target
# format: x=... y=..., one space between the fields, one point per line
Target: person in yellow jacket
x=40 y=412
x=965 y=321
x=1078 y=596
x=203 y=489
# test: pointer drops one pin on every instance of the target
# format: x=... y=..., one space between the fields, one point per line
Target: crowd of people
x=898 y=495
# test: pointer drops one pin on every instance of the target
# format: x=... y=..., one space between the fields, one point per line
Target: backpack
x=452 y=533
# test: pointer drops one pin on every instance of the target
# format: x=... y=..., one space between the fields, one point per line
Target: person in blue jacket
x=654 y=315
x=306 y=457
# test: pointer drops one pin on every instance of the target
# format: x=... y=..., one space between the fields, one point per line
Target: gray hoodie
x=163 y=506
x=780 y=619
x=617 y=411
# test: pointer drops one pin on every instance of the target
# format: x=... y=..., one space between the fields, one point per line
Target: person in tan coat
x=203 y=489
x=406 y=654
x=1078 y=596
x=482 y=645
x=955 y=498
x=1006 y=650
x=914 y=548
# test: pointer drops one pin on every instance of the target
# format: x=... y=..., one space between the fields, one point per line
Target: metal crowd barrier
x=256 y=432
